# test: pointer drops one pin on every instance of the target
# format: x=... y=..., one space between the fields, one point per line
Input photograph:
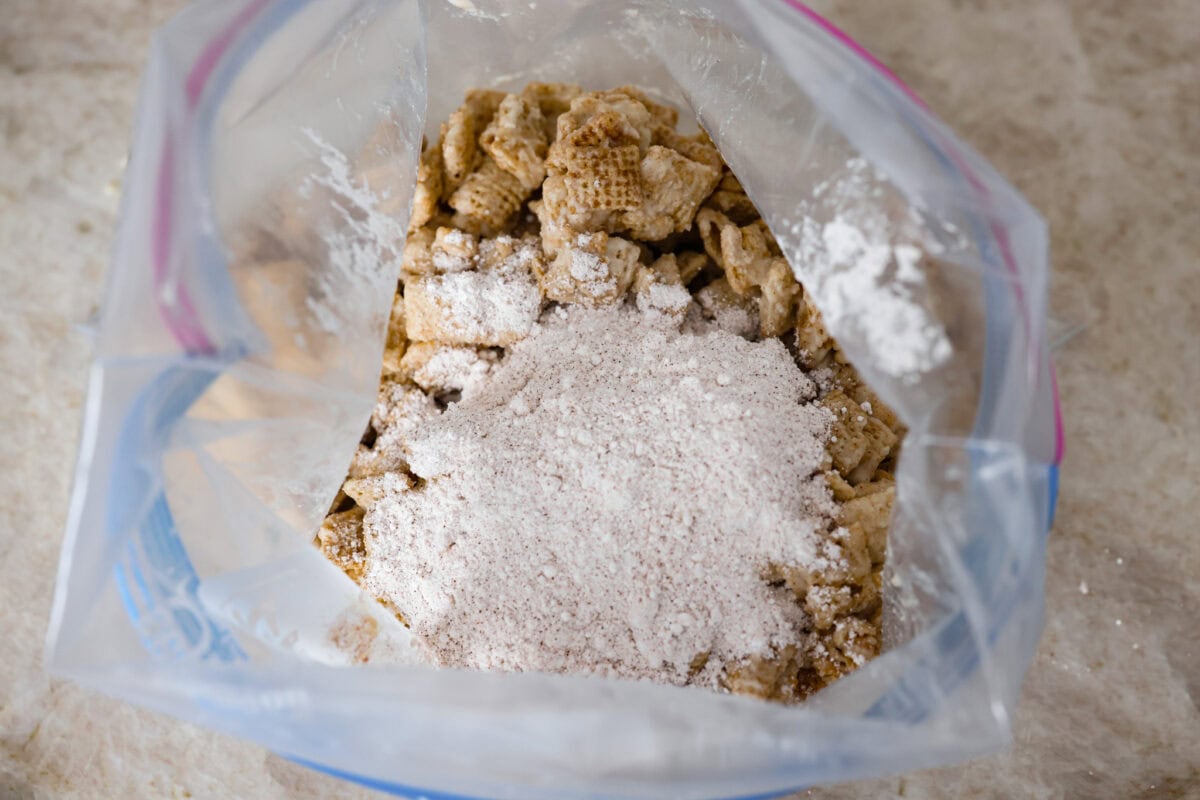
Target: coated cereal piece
x=662 y=114
x=730 y=199
x=858 y=441
x=847 y=443
x=731 y=311
x=746 y=255
x=397 y=341
x=417 y=258
x=490 y=196
x=840 y=487
x=369 y=490
x=813 y=342
x=516 y=140
x=600 y=178
x=453 y=250
x=880 y=441
x=400 y=408
x=612 y=118
x=857 y=639
x=491 y=308
x=460 y=135
x=665 y=269
x=459 y=149
x=826 y=604
x=697 y=147
x=482 y=105
x=659 y=291
x=847 y=557
x=690 y=265
x=428 y=191
x=508 y=253
x=772 y=677
x=846 y=377
x=709 y=224
x=368 y=462
x=871 y=513
x=777 y=303
x=341 y=540
x=730 y=183
x=848 y=645
x=603 y=129
x=552 y=99
x=561 y=220
x=440 y=368
x=674 y=187
x=594 y=270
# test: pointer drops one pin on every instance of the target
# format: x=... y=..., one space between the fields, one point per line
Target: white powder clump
x=862 y=263
x=608 y=503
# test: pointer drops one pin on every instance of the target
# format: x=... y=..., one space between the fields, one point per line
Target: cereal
x=561 y=220
x=594 y=269
x=664 y=115
x=698 y=148
x=659 y=291
x=442 y=368
x=489 y=197
x=397 y=340
x=341 y=540
x=400 y=408
x=871 y=514
x=459 y=136
x=453 y=250
x=554 y=195
x=605 y=118
x=429 y=188
x=368 y=490
x=859 y=442
x=472 y=307
x=690 y=265
x=776 y=306
x=552 y=99
x=458 y=149
x=775 y=676
x=417 y=257
x=812 y=339
x=517 y=141
x=729 y=310
x=600 y=177
x=674 y=187
x=730 y=200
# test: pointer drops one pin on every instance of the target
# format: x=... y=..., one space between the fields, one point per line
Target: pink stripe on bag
x=976 y=184
x=213 y=51
x=179 y=312
x=857 y=49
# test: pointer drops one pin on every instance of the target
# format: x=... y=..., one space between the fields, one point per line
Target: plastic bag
x=224 y=405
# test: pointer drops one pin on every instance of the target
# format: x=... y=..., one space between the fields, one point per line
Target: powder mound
x=608 y=503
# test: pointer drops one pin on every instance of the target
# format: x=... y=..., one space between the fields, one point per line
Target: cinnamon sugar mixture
x=609 y=502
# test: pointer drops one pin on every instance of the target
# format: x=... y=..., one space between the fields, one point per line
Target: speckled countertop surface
x=1091 y=108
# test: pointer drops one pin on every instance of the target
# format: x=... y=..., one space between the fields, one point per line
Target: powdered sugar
x=861 y=263
x=608 y=501
x=484 y=307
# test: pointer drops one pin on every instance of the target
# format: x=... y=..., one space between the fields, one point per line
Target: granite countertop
x=1091 y=109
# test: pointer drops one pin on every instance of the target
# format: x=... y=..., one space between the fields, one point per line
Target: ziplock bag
x=224 y=406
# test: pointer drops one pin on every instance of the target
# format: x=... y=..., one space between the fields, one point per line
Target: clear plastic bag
x=224 y=405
